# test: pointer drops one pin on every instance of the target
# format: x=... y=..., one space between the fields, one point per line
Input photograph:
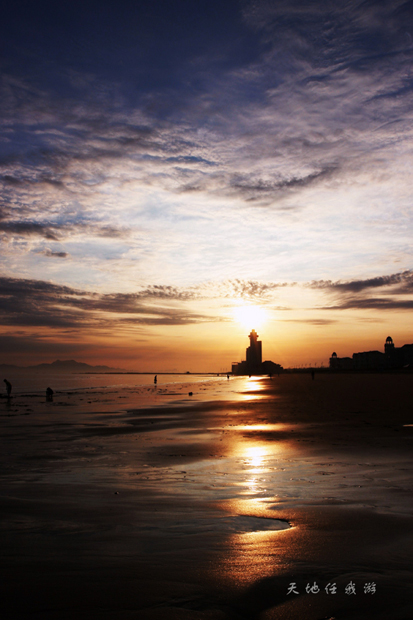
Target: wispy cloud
x=51 y=254
x=373 y=303
x=245 y=290
x=402 y=281
x=56 y=231
x=307 y=321
x=357 y=293
x=29 y=228
x=158 y=291
x=38 y=303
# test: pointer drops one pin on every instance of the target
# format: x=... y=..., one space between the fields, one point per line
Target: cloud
x=403 y=282
x=14 y=181
x=173 y=155
x=237 y=289
x=252 y=189
x=158 y=291
x=39 y=303
x=317 y=322
x=25 y=228
x=355 y=294
x=32 y=302
x=51 y=254
x=313 y=122
x=247 y=290
x=372 y=303
x=57 y=231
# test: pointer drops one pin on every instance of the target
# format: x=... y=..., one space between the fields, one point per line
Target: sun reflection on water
x=255 y=455
x=258 y=449
x=252 y=388
x=253 y=555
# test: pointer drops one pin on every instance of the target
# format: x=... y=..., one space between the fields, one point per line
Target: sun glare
x=250 y=317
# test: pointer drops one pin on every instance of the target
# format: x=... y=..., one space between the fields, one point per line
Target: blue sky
x=164 y=162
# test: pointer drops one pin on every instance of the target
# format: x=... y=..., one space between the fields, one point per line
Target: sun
x=250 y=317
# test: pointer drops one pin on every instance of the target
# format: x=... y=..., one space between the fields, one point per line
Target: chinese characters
x=332 y=588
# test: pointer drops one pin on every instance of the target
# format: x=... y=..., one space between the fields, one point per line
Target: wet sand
x=159 y=505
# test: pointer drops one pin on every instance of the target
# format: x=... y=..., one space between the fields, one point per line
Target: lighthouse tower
x=254 y=353
x=254 y=365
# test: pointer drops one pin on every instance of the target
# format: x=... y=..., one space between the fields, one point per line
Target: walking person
x=8 y=387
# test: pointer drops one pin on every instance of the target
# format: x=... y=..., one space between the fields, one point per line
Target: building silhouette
x=254 y=352
x=393 y=358
x=341 y=363
x=253 y=364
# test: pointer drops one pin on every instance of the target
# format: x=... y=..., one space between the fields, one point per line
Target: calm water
x=24 y=382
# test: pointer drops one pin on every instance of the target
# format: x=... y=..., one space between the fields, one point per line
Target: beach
x=251 y=498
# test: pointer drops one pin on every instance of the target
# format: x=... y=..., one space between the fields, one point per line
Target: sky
x=176 y=173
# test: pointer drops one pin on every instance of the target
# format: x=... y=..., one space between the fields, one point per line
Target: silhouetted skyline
x=392 y=358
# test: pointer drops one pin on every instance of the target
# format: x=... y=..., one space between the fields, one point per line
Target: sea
x=25 y=382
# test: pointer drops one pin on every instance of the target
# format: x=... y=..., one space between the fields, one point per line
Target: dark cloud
x=373 y=304
x=15 y=181
x=403 y=282
x=355 y=293
x=38 y=303
x=25 y=228
x=9 y=180
x=56 y=231
x=51 y=254
x=189 y=159
x=107 y=231
x=253 y=189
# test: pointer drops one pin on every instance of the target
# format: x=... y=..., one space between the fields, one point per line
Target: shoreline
x=71 y=382
x=173 y=510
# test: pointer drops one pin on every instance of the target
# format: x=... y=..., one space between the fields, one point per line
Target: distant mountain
x=70 y=366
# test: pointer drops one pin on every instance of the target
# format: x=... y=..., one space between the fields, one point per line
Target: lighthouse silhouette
x=253 y=364
x=254 y=353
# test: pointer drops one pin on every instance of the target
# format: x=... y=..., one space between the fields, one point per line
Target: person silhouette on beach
x=155 y=379
x=49 y=393
x=8 y=387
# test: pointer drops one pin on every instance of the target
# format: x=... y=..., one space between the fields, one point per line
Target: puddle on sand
x=234 y=524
